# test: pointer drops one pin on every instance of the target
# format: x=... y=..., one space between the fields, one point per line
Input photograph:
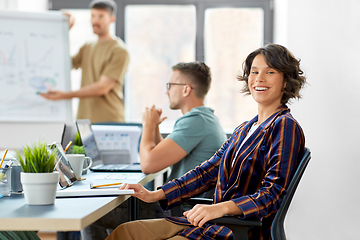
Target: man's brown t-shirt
x=110 y=59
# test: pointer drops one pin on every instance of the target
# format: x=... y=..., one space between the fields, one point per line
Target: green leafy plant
x=77 y=140
x=38 y=159
x=77 y=149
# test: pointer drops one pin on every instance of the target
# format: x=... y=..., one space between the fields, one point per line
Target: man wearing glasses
x=196 y=135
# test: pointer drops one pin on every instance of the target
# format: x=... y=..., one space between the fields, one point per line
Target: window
x=161 y=33
x=230 y=35
x=157 y=38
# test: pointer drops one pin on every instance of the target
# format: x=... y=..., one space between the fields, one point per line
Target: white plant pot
x=39 y=188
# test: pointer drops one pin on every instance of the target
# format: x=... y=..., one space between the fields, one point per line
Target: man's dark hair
x=281 y=59
x=108 y=5
x=199 y=75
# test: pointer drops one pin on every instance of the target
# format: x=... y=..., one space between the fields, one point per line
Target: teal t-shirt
x=200 y=134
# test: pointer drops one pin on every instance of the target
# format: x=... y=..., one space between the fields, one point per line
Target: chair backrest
x=277 y=228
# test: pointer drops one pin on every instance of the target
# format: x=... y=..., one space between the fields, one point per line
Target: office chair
x=240 y=227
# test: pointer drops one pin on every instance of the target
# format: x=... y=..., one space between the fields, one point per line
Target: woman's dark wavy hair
x=281 y=59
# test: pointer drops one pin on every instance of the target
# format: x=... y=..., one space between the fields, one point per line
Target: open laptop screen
x=88 y=140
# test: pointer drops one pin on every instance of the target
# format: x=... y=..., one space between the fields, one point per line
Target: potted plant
x=38 y=178
x=77 y=147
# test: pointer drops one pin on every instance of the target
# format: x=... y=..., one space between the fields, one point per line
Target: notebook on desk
x=92 y=192
x=91 y=149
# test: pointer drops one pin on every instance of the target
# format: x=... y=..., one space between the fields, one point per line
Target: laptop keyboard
x=118 y=167
x=112 y=167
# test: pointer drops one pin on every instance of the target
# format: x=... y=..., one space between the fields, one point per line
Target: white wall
x=325 y=35
x=32 y=5
x=24 y=5
x=7 y=4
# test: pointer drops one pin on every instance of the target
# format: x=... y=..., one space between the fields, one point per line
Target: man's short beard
x=174 y=107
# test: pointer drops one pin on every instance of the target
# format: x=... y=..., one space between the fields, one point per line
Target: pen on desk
x=3 y=158
x=67 y=147
x=104 y=185
x=7 y=166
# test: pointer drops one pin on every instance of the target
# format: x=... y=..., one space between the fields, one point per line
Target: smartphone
x=62 y=165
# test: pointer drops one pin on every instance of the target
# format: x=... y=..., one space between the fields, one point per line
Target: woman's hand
x=143 y=194
x=202 y=213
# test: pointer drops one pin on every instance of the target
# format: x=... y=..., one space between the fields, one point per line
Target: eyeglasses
x=168 y=85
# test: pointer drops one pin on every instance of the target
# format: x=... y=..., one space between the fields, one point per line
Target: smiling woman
x=266 y=151
x=272 y=76
x=265 y=84
x=281 y=60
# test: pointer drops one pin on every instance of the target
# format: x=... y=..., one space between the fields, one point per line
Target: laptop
x=91 y=149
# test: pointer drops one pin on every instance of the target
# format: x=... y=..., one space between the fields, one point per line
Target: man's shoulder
x=114 y=44
x=188 y=124
x=118 y=47
x=189 y=121
x=198 y=119
x=119 y=44
x=195 y=115
x=89 y=46
x=200 y=112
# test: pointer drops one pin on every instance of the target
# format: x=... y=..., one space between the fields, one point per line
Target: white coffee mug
x=77 y=163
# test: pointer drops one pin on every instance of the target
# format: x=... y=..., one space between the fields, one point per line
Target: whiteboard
x=34 y=57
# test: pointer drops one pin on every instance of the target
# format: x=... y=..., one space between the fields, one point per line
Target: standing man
x=103 y=65
x=195 y=137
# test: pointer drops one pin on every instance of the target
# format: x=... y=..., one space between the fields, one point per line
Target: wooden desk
x=67 y=214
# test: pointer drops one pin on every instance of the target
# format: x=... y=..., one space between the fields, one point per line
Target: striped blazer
x=257 y=180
